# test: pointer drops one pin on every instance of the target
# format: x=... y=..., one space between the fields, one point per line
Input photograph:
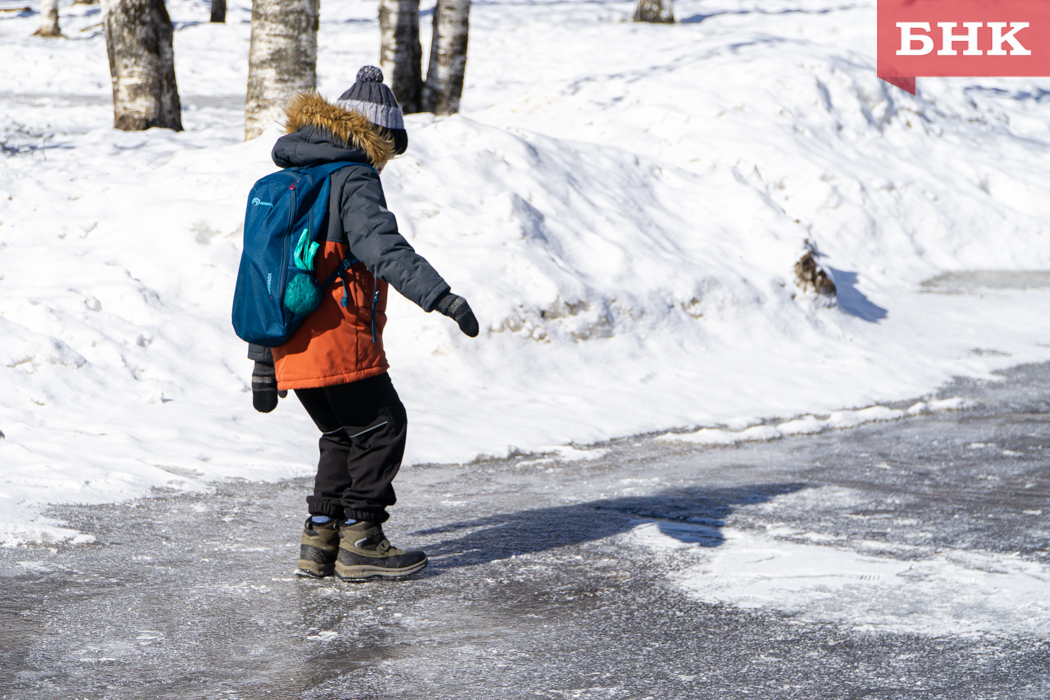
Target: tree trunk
x=282 y=60
x=400 y=55
x=218 y=10
x=448 y=57
x=141 y=65
x=48 y=19
x=654 y=11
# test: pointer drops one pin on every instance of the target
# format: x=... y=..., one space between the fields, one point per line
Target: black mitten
x=264 y=387
x=457 y=308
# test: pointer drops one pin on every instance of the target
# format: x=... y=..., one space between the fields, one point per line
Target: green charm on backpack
x=302 y=295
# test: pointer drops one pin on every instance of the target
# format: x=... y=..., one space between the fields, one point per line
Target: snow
x=921 y=591
x=621 y=204
x=809 y=425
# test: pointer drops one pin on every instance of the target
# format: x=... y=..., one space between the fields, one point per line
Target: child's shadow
x=693 y=515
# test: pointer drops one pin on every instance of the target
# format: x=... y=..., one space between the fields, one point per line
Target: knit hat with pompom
x=369 y=97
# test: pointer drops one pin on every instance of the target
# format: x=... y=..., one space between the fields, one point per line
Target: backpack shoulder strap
x=349 y=260
x=328 y=169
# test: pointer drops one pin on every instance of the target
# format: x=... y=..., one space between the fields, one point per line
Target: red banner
x=962 y=38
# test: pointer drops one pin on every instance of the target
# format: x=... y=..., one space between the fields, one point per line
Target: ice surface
x=621 y=204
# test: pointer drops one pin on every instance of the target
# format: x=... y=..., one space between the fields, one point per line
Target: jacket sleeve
x=260 y=353
x=371 y=231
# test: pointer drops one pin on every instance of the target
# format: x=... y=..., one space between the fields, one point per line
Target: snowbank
x=621 y=204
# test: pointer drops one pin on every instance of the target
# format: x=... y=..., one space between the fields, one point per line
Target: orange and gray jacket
x=335 y=344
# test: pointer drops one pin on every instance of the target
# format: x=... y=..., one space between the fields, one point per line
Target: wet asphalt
x=532 y=591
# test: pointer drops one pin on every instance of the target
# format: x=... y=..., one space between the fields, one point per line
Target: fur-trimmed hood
x=318 y=132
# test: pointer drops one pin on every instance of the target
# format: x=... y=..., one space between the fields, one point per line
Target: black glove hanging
x=457 y=308
x=264 y=387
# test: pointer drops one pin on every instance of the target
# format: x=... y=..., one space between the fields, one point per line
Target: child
x=335 y=360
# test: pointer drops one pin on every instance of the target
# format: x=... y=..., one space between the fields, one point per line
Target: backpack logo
x=256 y=202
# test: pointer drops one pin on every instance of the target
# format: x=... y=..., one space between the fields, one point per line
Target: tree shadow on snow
x=13 y=12
x=1038 y=95
x=697 y=18
x=852 y=300
x=693 y=515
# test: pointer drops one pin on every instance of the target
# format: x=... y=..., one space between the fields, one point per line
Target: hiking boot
x=365 y=552
x=318 y=550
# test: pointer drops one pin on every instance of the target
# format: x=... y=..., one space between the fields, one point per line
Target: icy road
x=905 y=559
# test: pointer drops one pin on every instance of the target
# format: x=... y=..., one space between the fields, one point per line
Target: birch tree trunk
x=282 y=59
x=654 y=11
x=400 y=55
x=48 y=19
x=218 y=11
x=141 y=65
x=448 y=57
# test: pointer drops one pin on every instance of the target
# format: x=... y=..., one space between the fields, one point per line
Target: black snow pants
x=364 y=427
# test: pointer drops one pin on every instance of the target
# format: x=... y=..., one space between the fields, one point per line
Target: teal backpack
x=277 y=287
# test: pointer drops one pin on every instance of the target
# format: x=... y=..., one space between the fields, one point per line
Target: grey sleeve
x=371 y=231
x=260 y=353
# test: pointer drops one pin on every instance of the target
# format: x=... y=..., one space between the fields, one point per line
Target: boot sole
x=306 y=573
x=363 y=572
